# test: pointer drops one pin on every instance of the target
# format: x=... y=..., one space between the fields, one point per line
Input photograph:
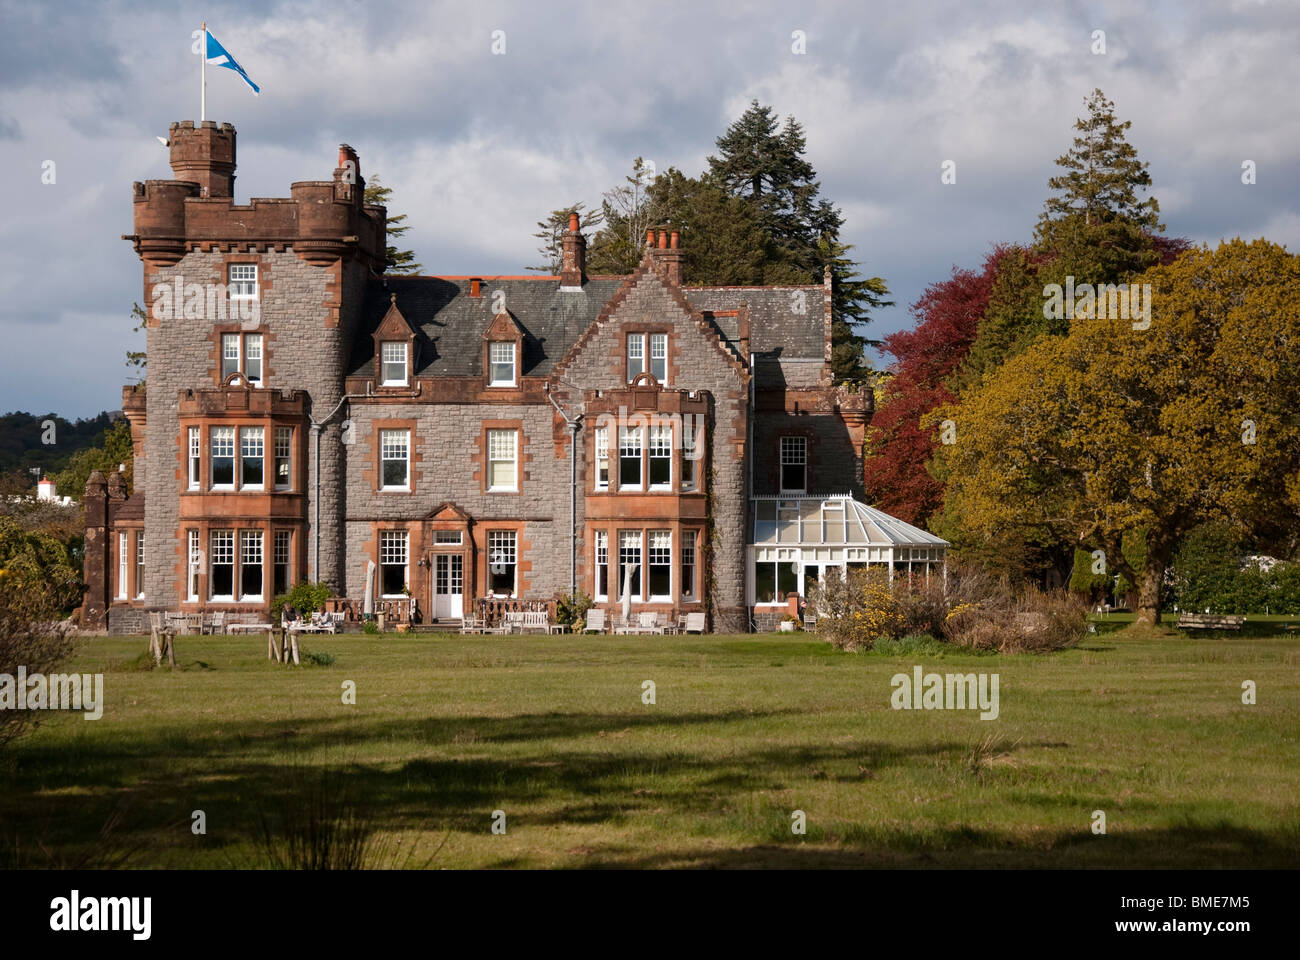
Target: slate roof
x=775 y=329
x=449 y=323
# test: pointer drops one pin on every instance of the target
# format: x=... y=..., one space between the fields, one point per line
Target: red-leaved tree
x=898 y=448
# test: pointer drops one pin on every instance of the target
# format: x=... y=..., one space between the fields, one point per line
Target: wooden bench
x=1210 y=621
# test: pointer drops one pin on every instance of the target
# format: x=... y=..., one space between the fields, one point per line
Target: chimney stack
x=669 y=256
x=204 y=155
x=573 y=261
x=474 y=283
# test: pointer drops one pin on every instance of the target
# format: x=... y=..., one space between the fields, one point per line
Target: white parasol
x=627 y=590
x=368 y=605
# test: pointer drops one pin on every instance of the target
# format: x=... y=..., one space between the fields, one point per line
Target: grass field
x=745 y=730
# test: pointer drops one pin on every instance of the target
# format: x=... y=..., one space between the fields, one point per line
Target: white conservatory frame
x=834 y=531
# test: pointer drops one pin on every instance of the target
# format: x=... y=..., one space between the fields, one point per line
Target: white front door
x=448 y=578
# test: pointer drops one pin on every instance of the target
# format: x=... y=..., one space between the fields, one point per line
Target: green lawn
x=746 y=730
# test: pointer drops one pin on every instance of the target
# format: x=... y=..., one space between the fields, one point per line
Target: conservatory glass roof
x=833 y=520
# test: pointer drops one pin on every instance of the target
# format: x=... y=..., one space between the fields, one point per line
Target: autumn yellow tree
x=1124 y=425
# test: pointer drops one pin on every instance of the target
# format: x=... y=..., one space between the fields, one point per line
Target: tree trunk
x=1153 y=574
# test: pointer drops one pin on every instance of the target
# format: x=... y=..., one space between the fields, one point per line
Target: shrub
x=1022 y=620
x=572 y=608
x=370 y=628
x=30 y=635
x=304 y=597
x=974 y=609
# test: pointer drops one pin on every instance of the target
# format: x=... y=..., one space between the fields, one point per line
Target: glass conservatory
x=797 y=539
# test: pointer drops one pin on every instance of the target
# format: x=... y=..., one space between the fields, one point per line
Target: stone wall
x=695 y=362
x=307 y=345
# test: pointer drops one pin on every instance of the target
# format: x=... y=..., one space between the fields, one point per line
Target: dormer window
x=243 y=281
x=393 y=357
x=502 y=356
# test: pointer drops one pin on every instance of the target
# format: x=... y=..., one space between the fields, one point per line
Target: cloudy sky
x=478 y=146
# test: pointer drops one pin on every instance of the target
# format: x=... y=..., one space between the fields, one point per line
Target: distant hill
x=21 y=434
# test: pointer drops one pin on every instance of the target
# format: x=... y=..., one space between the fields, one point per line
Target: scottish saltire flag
x=218 y=57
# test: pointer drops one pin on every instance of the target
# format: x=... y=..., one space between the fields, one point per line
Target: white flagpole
x=203 y=74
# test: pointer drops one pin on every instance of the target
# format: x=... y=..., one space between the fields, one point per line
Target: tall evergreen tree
x=398 y=262
x=1096 y=223
x=551 y=233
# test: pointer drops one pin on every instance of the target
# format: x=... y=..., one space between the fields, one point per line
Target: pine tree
x=397 y=262
x=551 y=233
x=1096 y=224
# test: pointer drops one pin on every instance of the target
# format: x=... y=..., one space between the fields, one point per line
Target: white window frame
x=239 y=287
x=660 y=438
x=195 y=457
x=637 y=340
x=248 y=437
x=252 y=543
x=139 y=565
x=503 y=544
x=658 y=356
x=122 y=560
x=690 y=461
x=655 y=549
x=601 y=560
x=500 y=353
x=388 y=551
x=386 y=361
x=283 y=451
x=625 y=434
x=233 y=440
x=228 y=542
x=389 y=443
x=625 y=544
x=195 y=565
x=282 y=557
x=794 y=453
x=496 y=454
x=687 y=558
x=252 y=340
x=226 y=340
x=602 y=454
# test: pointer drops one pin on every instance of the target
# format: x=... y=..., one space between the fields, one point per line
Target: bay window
x=629 y=563
x=661 y=457
x=629 y=458
x=660 y=557
x=602 y=565
x=221 y=441
x=602 y=458
x=252 y=450
x=221 y=564
x=283 y=457
x=250 y=565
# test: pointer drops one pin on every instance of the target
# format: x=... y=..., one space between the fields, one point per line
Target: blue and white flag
x=218 y=57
